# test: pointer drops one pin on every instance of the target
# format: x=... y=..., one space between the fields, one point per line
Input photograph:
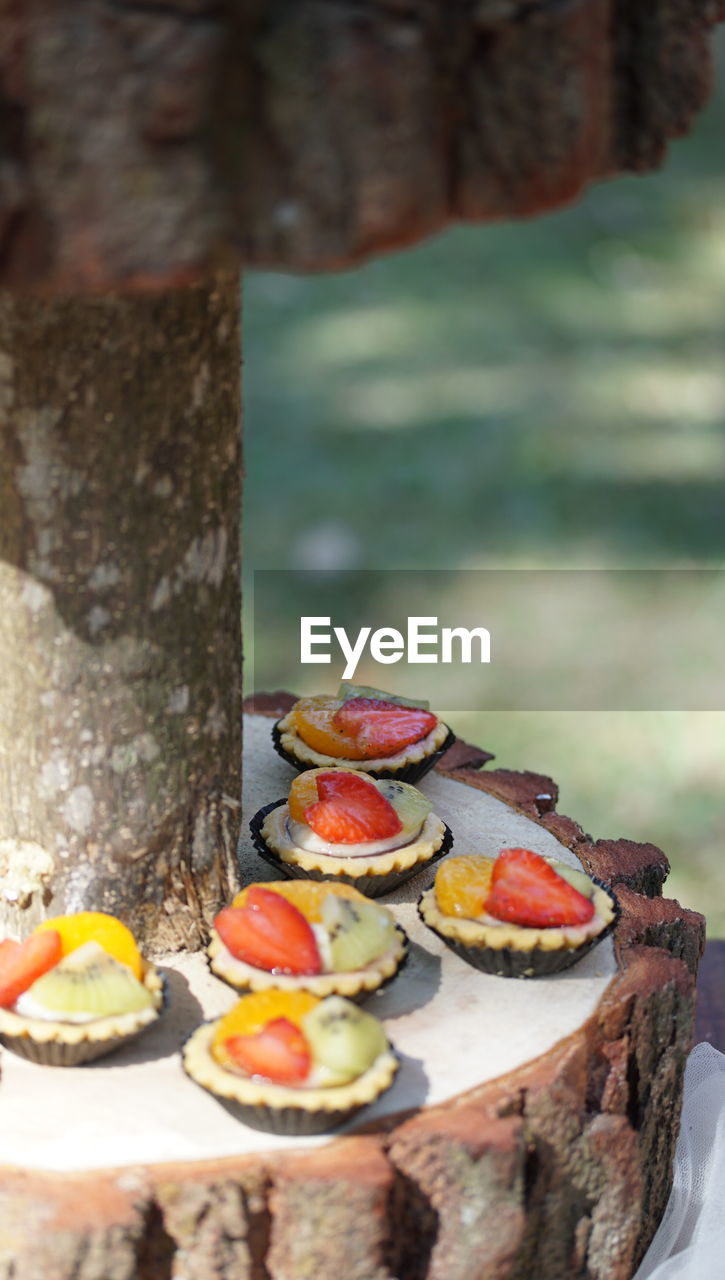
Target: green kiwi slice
x=359 y=932
x=411 y=806
x=348 y=691
x=89 y=982
x=343 y=1037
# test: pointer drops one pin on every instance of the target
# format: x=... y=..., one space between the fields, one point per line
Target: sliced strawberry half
x=351 y=809
x=382 y=728
x=270 y=933
x=279 y=1052
x=22 y=962
x=526 y=890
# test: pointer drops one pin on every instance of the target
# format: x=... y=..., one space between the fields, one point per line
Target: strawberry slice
x=382 y=728
x=22 y=962
x=526 y=890
x=270 y=933
x=279 y=1052
x=351 y=809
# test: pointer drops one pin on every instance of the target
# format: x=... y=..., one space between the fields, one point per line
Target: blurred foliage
x=545 y=393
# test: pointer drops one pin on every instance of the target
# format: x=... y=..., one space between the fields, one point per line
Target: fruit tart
x=518 y=916
x=288 y=1062
x=365 y=729
x=371 y=833
x=322 y=937
x=75 y=989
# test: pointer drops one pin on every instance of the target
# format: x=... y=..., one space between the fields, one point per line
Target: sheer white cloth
x=690 y=1241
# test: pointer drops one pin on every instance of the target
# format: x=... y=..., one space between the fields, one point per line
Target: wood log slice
x=489 y=1159
x=310 y=134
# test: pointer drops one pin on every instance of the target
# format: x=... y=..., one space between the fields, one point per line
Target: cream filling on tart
x=354 y=860
x=27 y=1007
x=303 y=837
x=44 y=1029
x=486 y=931
x=254 y=1091
x=344 y=983
x=291 y=741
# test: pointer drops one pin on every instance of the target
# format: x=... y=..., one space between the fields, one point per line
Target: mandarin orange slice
x=307 y=895
x=97 y=926
x=312 y=718
x=462 y=885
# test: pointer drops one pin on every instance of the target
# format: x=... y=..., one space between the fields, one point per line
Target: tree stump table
x=530 y=1131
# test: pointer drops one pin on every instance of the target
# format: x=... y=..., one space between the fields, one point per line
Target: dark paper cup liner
x=508 y=962
x=56 y=1053
x=289 y=1121
x=409 y=773
x=372 y=886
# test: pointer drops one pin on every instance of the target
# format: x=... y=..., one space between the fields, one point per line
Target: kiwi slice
x=411 y=806
x=577 y=879
x=343 y=1038
x=348 y=691
x=89 y=981
x=359 y=932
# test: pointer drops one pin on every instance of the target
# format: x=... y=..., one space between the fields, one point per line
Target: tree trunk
x=120 y=724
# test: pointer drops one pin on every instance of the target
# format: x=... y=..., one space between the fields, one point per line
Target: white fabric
x=690 y=1241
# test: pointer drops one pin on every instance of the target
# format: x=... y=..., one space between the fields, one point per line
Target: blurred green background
x=545 y=393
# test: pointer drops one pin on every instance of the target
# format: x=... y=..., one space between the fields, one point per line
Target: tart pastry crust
x=355 y=984
x=373 y=875
x=67 y=1044
x=280 y=1107
x=511 y=950
x=409 y=764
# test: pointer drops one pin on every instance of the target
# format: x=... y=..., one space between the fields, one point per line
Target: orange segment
x=462 y=885
x=96 y=926
x=303 y=793
x=312 y=718
x=252 y=1013
x=307 y=895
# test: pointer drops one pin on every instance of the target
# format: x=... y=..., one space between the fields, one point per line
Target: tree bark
x=120 y=723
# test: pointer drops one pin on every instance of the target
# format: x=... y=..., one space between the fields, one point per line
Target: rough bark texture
x=120 y=738
x=311 y=133
x=559 y=1170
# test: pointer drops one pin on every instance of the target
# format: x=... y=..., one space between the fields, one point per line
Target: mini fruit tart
x=296 y=935
x=288 y=1062
x=518 y=916
x=364 y=729
x=339 y=825
x=75 y=989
